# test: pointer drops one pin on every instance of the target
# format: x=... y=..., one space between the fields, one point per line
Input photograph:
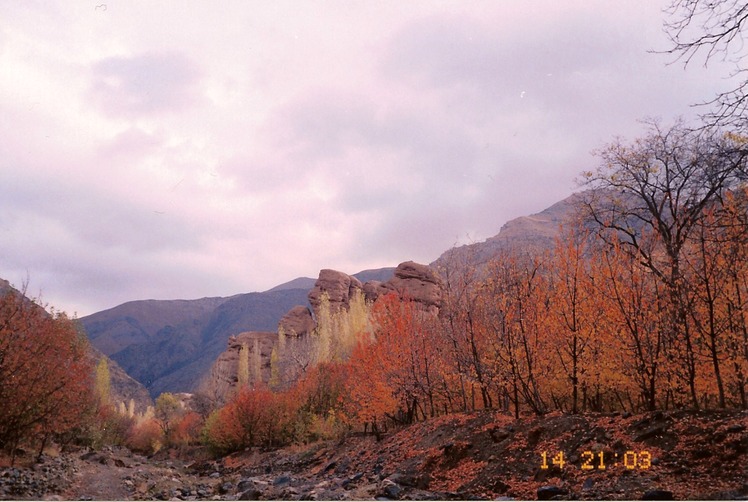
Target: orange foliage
x=187 y=429
x=145 y=437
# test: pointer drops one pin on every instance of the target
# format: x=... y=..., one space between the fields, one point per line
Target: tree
x=323 y=330
x=242 y=367
x=103 y=383
x=517 y=314
x=714 y=29
x=167 y=413
x=275 y=377
x=256 y=363
x=635 y=307
x=650 y=196
x=576 y=313
x=462 y=326
x=45 y=373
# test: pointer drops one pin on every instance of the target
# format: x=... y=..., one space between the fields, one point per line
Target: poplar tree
x=242 y=370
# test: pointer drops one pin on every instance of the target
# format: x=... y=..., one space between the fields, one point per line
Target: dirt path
x=101 y=477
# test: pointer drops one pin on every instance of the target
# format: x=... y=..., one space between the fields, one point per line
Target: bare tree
x=714 y=30
x=651 y=196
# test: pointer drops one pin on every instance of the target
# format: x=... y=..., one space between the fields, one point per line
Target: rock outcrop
x=222 y=380
x=412 y=281
x=340 y=288
x=297 y=322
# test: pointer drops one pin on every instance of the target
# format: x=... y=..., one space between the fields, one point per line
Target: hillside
x=123 y=386
x=168 y=344
x=534 y=233
x=487 y=455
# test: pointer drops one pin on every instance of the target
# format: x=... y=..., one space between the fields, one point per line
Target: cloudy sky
x=172 y=149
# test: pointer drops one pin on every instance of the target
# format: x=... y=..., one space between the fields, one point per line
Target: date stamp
x=601 y=460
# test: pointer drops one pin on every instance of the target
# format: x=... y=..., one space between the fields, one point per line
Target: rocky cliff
x=412 y=281
x=222 y=381
x=339 y=287
x=169 y=345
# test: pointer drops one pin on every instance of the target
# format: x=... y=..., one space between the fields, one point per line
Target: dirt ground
x=483 y=455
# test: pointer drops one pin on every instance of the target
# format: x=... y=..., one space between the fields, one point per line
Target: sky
x=183 y=149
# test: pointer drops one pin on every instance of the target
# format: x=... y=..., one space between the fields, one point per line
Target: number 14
x=556 y=460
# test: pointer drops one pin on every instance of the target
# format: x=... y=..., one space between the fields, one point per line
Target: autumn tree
x=735 y=253
x=395 y=369
x=323 y=331
x=462 y=328
x=256 y=363
x=167 y=412
x=715 y=259
x=575 y=310
x=242 y=367
x=516 y=314
x=103 y=382
x=45 y=373
x=635 y=307
x=650 y=196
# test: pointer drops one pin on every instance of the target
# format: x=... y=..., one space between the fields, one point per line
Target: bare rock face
x=297 y=322
x=412 y=281
x=340 y=288
x=374 y=289
x=222 y=380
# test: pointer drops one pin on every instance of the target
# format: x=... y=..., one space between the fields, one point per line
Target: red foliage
x=45 y=374
x=187 y=430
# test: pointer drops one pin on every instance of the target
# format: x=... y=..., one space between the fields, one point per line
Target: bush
x=145 y=437
x=46 y=376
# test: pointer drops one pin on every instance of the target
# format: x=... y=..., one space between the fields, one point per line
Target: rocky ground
x=486 y=455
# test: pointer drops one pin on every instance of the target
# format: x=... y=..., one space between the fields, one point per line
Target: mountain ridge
x=169 y=345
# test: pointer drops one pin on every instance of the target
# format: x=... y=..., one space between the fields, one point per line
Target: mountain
x=168 y=344
x=123 y=386
x=298 y=283
x=534 y=233
x=376 y=274
x=409 y=280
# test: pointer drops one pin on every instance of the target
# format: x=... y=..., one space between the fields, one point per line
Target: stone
x=244 y=485
x=658 y=494
x=297 y=322
x=390 y=489
x=340 y=288
x=251 y=494
x=282 y=480
x=412 y=281
x=550 y=492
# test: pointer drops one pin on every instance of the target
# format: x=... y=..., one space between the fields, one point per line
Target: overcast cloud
x=189 y=149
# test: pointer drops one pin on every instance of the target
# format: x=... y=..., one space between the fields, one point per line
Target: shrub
x=145 y=437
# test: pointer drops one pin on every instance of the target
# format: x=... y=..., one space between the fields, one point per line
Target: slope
x=168 y=344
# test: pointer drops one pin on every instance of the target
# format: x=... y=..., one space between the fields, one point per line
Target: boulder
x=340 y=288
x=297 y=322
x=411 y=281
